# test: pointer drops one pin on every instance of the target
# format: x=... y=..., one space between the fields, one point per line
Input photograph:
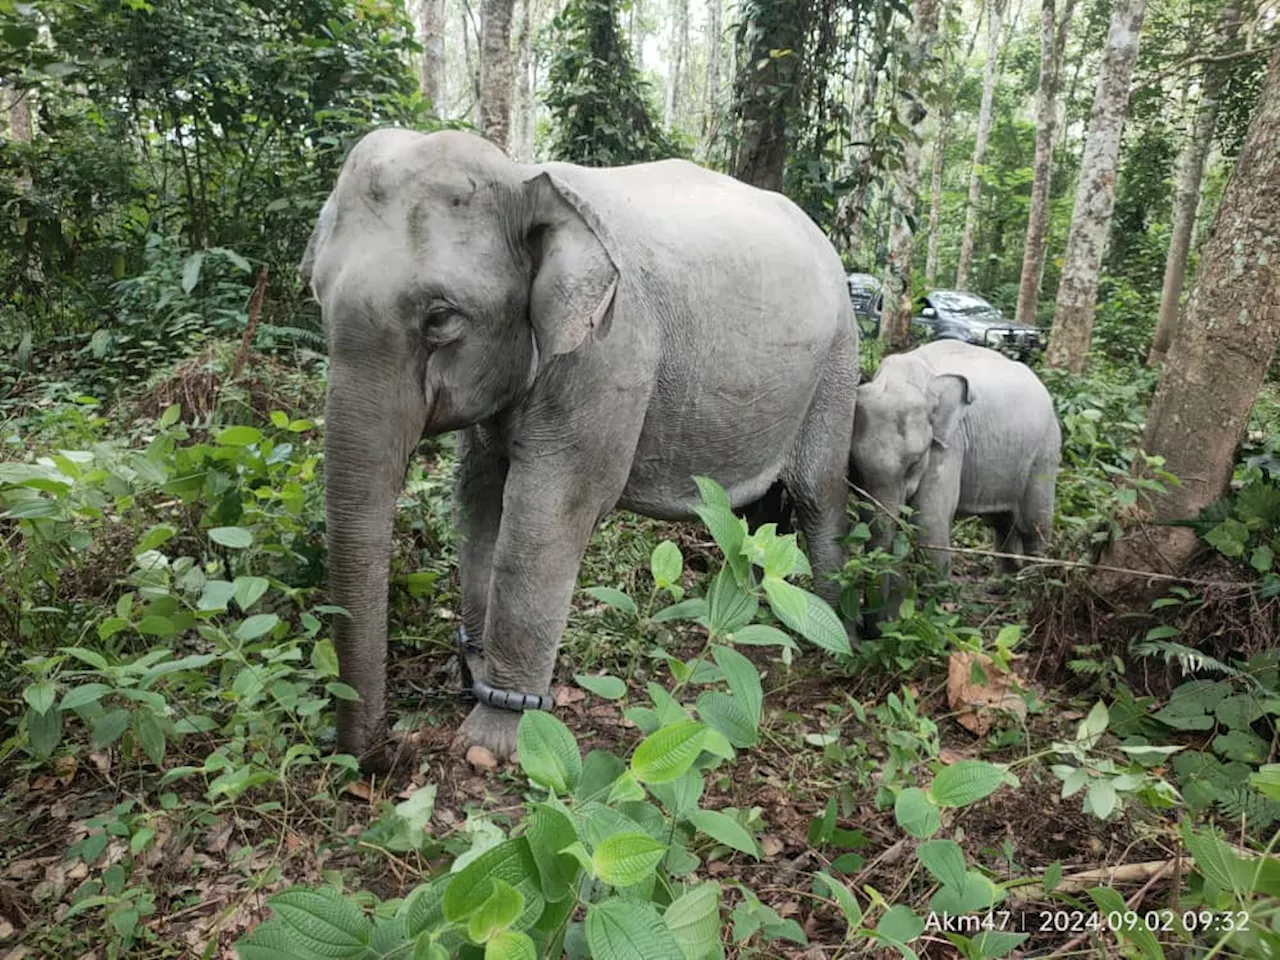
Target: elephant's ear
x=575 y=279
x=319 y=236
x=949 y=394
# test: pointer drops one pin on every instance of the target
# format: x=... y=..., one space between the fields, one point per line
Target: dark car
x=959 y=315
x=864 y=292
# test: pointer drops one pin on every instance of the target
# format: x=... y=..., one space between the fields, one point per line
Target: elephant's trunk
x=884 y=526
x=369 y=436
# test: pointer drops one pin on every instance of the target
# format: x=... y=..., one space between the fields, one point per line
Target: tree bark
x=1225 y=345
x=1187 y=193
x=495 y=71
x=1095 y=193
x=522 y=147
x=914 y=69
x=965 y=261
x=679 y=59
x=431 y=80
x=711 y=100
x=935 y=202
x=1053 y=40
x=766 y=97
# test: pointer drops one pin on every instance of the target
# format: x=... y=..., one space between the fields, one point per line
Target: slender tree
x=935 y=201
x=995 y=9
x=1095 y=193
x=431 y=79
x=711 y=94
x=1225 y=343
x=495 y=70
x=678 y=58
x=522 y=141
x=1187 y=192
x=1053 y=41
x=914 y=71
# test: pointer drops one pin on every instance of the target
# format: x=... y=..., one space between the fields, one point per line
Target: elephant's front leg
x=481 y=476
x=547 y=518
x=935 y=506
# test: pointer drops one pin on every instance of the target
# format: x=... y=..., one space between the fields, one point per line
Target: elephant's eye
x=437 y=319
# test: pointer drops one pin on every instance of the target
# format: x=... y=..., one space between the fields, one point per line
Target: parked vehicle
x=864 y=291
x=959 y=315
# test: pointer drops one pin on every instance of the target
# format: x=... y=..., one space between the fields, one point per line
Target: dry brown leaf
x=359 y=788
x=102 y=761
x=568 y=695
x=771 y=845
x=974 y=700
x=482 y=759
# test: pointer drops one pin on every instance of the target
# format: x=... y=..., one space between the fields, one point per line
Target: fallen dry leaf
x=771 y=846
x=568 y=695
x=481 y=759
x=359 y=788
x=102 y=761
x=974 y=699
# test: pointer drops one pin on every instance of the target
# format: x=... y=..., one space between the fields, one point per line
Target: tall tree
x=1187 y=192
x=995 y=9
x=711 y=93
x=935 y=202
x=495 y=70
x=1095 y=192
x=678 y=58
x=914 y=70
x=1225 y=343
x=1053 y=41
x=431 y=79
x=768 y=86
x=522 y=142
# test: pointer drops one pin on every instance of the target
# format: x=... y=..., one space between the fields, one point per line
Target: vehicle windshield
x=965 y=305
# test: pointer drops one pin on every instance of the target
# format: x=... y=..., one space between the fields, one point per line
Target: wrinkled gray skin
x=598 y=336
x=953 y=429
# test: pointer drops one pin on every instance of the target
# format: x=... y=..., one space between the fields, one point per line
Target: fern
x=1258 y=812
x=290 y=336
x=1189 y=659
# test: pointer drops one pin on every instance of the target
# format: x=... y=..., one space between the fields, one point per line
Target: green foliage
x=599 y=107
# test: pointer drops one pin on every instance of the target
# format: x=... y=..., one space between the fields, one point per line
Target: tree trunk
x=431 y=79
x=766 y=96
x=679 y=58
x=472 y=66
x=855 y=201
x=1224 y=347
x=495 y=71
x=711 y=99
x=1187 y=194
x=1053 y=40
x=965 y=261
x=935 y=202
x=522 y=147
x=1095 y=193
x=914 y=68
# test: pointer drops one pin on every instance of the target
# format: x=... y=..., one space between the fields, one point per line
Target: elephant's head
x=447 y=277
x=902 y=419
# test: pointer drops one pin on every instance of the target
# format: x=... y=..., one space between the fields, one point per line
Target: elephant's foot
x=493 y=729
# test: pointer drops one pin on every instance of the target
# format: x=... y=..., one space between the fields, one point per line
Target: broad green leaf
x=157 y=535
x=690 y=609
x=807 y=614
x=249 y=590
x=1215 y=861
x=680 y=796
x=900 y=924
x=614 y=598
x=256 y=626
x=965 y=782
x=549 y=831
x=41 y=696
x=666 y=564
x=216 y=595
x=237 y=538
x=509 y=945
x=667 y=753
x=729 y=606
x=743 y=679
x=729 y=716
x=322 y=922
x=629 y=930
x=1094 y=725
x=694 y=920
x=1101 y=798
x=191 y=271
x=153 y=626
x=722 y=828
x=92 y=657
x=548 y=752
x=85 y=693
x=150 y=735
x=510 y=861
x=44 y=731
x=239 y=436
x=842 y=895
x=1136 y=932
x=602 y=685
x=108 y=727
x=625 y=859
x=497 y=912
x=599 y=770
x=762 y=635
x=916 y=813
x=625 y=789
x=975 y=894
x=1052 y=876
x=945 y=860
x=1267 y=780
x=424 y=908
x=991 y=944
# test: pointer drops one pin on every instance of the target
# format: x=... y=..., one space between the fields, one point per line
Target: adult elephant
x=599 y=337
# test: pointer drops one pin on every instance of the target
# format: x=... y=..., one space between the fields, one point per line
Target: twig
x=255 y=307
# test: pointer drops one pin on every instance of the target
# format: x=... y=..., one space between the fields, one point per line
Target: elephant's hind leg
x=1008 y=540
x=1035 y=516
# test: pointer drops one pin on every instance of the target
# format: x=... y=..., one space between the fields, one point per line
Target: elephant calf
x=953 y=429
x=598 y=337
